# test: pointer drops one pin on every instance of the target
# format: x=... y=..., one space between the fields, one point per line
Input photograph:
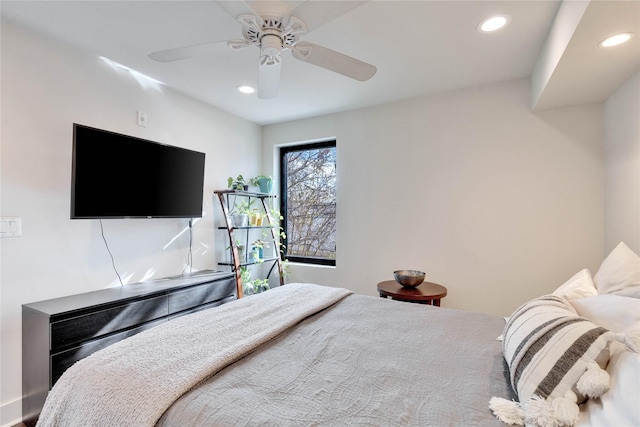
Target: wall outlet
x=10 y=226
x=142 y=119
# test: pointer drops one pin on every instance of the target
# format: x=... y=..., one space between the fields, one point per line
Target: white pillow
x=619 y=273
x=579 y=286
x=614 y=312
x=620 y=406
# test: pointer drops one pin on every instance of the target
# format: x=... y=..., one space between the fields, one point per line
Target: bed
x=305 y=354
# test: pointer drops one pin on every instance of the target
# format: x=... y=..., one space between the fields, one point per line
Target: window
x=308 y=203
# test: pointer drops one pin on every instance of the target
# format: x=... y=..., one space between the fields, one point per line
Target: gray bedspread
x=365 y=361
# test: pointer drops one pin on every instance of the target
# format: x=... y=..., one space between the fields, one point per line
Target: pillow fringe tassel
x=507 y=411
x=594 y=382
x=539 y=412
x=566 y=408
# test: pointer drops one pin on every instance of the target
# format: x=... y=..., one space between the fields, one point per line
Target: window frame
x=283 y=199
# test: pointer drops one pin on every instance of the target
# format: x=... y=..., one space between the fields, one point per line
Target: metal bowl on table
x=409 y=278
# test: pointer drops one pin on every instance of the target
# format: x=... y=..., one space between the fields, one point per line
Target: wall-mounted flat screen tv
x=119 y=176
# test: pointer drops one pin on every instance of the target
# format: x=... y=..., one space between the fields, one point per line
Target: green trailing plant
x=276 y=215
x=260 y=285
x=250 y=286
x=244 y=207
x=245 y=275
x=286 y=268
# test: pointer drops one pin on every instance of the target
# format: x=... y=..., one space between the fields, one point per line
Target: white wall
x=496 y=203
x=45 y=89
x=622 y=161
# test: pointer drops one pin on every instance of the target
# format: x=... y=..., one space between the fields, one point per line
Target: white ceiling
x=419 y=47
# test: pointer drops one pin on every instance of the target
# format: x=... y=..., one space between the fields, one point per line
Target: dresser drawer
x=201 y=294
x=203 y=307
x=74 y=330
x=61 y=361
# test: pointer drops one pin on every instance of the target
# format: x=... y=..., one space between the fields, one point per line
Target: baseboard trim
x=11 y=413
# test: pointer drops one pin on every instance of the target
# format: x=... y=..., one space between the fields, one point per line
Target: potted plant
x=253 y=256
x=240 y=214
x=264 y=182
x=260 y=285
x=238 y=183
x=247 y=286
x=240 y=248
x=258 y=246
x=255 y=218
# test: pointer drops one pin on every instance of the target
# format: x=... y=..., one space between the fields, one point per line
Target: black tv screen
x=119 y=176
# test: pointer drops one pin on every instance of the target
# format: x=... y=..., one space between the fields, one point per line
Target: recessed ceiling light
x=494 y=23
x=615 y=40
x=245 y=89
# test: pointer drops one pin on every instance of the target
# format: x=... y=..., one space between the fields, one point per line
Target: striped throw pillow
x=555 y=361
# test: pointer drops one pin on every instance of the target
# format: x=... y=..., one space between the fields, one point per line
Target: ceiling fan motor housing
x=271 y=44
x=271 y=35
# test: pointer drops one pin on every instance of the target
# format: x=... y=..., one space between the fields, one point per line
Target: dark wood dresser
x=57 y=333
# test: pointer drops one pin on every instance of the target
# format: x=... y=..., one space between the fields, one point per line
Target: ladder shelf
x=227 y=200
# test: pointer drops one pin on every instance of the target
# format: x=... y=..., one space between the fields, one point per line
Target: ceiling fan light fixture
x=615 y=40
x=245 y=89
x=494 y=23
x=271 y=45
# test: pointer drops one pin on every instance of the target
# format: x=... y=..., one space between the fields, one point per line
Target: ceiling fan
x=273 y=27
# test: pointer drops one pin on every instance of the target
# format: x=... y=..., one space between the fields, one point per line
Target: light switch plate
x=10 y=226
x=142 y=119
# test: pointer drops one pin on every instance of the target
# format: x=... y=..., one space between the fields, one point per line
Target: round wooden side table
x=425 y=293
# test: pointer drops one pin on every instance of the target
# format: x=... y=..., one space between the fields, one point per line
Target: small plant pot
x=266 y=185
x=253 y=218
x=248 y=289
x=241 y=253
x=239 y=220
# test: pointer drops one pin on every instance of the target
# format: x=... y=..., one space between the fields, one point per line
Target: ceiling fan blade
x=316 y=13
x=236 y=8
x=257 y=8
x=178 y=53
x=268 y=77
x=334 y=61
x=273 y=8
